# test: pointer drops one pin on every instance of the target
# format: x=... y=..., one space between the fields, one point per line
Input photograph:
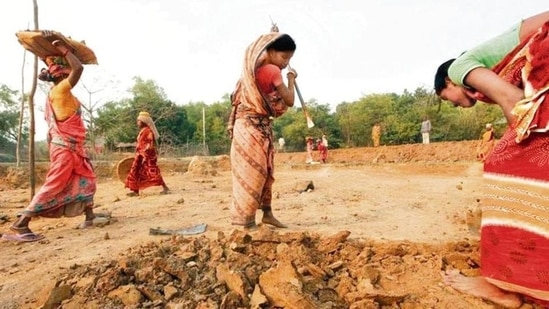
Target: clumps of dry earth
x=267 y=269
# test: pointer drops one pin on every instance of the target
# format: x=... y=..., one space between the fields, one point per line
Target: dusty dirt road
x=412 y=196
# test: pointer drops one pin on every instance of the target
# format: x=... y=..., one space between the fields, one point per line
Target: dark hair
x=440 y=76
x=45 y=75
x=283 y=43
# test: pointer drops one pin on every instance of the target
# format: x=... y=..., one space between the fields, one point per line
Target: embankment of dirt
x=14 y=178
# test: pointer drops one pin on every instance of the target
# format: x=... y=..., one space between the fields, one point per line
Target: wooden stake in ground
x=32 y=178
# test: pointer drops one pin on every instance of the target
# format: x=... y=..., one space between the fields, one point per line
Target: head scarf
x=57 y=66
x=57 y=70
x=145 y=117
x=246 y=90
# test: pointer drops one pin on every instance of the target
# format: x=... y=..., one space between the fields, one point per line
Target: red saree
x=144 y=172
x=70 y=182
x=515 y=210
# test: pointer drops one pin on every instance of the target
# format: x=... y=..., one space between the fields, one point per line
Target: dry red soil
x=375 y=232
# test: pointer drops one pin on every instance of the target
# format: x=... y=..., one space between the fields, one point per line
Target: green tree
x=216 y=117
x=9 y=123
x=116 y=121
x=356 y=119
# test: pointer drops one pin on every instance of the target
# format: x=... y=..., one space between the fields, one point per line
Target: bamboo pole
x=32 y=178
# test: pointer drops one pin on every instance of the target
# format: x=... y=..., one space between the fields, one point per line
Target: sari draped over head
x=144 y=171
x=70 y=182
x=515 y=209
x=246 y=97
x=146 y=118
x=252 y=148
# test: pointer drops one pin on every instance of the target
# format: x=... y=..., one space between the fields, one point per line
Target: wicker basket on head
x=34 y=42
x=123 y=168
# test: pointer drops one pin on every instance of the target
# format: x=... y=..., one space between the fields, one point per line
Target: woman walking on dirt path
x=322 y=151
x=70 y=183
x=511 y=70
x=145 y=172
x=260 y=96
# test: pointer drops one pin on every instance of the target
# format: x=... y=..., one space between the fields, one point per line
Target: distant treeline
x=349 y=124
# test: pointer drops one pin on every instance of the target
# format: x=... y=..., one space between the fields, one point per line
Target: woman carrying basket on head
x=70 y=184
x=145 y=172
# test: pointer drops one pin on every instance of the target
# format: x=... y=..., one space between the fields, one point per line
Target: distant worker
x=310 y=147
x=486 y=143
x=425 y=130
x=322 y=150
x=376 y=134
x=281 y=143
x=325 y=140
x=145 y=172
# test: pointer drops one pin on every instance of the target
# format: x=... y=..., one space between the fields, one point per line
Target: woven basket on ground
x=123 y=168
x=34 y=42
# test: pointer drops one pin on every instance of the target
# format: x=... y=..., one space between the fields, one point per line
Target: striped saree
x=515 y=209
x=252 y=148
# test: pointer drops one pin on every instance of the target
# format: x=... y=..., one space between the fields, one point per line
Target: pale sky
x=193 y=49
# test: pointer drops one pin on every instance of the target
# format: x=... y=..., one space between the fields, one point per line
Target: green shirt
x=486 y=55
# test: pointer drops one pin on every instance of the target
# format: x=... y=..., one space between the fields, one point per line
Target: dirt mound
x=265 y=269
x=208 y=166
x=434 y=152
x=14 y=178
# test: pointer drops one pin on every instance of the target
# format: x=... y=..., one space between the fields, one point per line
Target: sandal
x=26 y=237
x=85 y=225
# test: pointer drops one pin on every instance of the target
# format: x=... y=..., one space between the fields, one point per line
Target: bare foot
x=270 y=219
x=479 y=287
